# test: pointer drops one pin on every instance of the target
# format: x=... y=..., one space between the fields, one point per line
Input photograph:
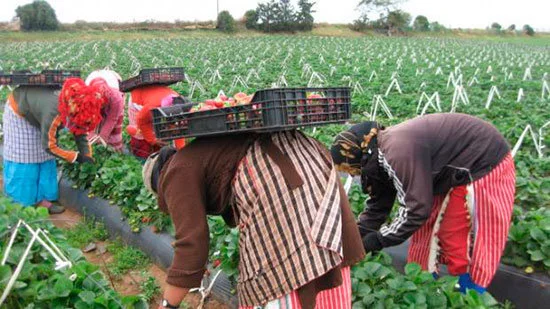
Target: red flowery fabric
x=80 y=106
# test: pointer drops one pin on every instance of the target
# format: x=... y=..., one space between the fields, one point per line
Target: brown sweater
x=425 y=157
x=196 y=182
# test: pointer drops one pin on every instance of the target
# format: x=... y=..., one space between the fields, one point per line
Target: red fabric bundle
x=80 y=106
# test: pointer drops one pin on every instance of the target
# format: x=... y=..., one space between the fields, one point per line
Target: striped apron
x=289 y=234
x=468 y=228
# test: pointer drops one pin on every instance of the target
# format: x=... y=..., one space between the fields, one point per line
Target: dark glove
x=372 y=243
x=84 y=159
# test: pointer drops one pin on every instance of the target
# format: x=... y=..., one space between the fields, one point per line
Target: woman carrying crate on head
x=454 y=177
x=109 y=131
x=298 y=237
x=32 y=118
x=143 y=141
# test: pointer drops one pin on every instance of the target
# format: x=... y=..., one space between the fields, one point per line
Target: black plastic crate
x=45 y=78
x=271 y=110
x=29 y=79
x=5 y=79
x=157 y=76
x=59 y=76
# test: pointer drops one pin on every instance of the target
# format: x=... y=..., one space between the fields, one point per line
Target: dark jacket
x=426 y=157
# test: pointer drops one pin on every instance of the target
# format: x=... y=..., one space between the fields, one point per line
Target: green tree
x=437 y=27
x=251 y=19
x=421 y=23
x=528 y=30
x=398 y=20
x=496 y=27
x=226 y=22
x=37 y=16
x=266 y=15
x=304 y=17
x=284 y=16
x=512 y=28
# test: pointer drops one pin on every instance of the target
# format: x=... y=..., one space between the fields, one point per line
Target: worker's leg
x=21 y=182
x=421 y=242
x=494 y=202
x=48 y=189
x=454 y=236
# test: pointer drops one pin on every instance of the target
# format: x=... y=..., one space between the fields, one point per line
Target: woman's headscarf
x=110 y=77
x=80 y=106
x=356 y=152
x=350 y=147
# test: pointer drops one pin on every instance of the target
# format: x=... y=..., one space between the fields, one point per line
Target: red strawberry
x=216 y=263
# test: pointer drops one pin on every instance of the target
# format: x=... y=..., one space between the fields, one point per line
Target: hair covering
x=168 y=100
x=350 y=147
x=110 y=77
x=153 y=166
x=80 y=106
x=356 y=152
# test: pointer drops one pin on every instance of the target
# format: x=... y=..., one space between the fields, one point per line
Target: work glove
x=80 y=158
x=372 y=243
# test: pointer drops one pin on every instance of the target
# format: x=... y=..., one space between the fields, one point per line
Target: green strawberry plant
x=529 y=241
x=39 y=285
x=376 y=284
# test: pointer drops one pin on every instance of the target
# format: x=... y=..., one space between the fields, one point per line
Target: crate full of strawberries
x=268 y=110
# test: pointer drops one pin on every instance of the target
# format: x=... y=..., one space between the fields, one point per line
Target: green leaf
x=19 y=285
x=372 y=267
x=412 y=269
x=408 y=286
x=394 y=284
x=538 y=234
x=436 y=300
x=5 y=274
x=488 y=300
x=364 y=290
x=87 y=297
x=42 y=212
x=536 y=255
x=63 y=286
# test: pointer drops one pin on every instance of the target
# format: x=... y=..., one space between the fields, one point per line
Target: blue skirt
x=31 y=183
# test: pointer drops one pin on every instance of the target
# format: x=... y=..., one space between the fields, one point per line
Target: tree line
x=284 y=16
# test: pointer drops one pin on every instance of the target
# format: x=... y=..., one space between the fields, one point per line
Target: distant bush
x=37 y=16
x=421 y=23
x=496 y=27
x=251 y=19
x=226 y=22
x=528 y=30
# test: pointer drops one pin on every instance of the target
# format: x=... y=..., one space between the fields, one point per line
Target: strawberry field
x=506 y=83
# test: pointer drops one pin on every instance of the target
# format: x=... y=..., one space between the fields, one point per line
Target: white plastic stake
x=545 y=90
x=394 y=84
x=378 y=101
x=492 y=93
x=521 y=95
x=536 y=140
x=527 y=74
x=373 y=75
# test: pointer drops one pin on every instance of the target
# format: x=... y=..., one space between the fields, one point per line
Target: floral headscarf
x=80 y=106
x=350 y=147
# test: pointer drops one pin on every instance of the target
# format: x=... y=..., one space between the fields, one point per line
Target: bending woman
x=32 y=119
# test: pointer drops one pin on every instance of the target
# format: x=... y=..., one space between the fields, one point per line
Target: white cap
x=110 y=77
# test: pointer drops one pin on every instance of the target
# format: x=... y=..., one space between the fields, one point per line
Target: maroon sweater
x=425 y=157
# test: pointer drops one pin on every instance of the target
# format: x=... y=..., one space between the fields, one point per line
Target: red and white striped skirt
x=338 y=297
x=468 y=228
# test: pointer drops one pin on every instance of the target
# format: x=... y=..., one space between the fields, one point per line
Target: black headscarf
x=357 y=150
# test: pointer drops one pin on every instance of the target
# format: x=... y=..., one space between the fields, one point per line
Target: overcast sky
x=451 y=13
